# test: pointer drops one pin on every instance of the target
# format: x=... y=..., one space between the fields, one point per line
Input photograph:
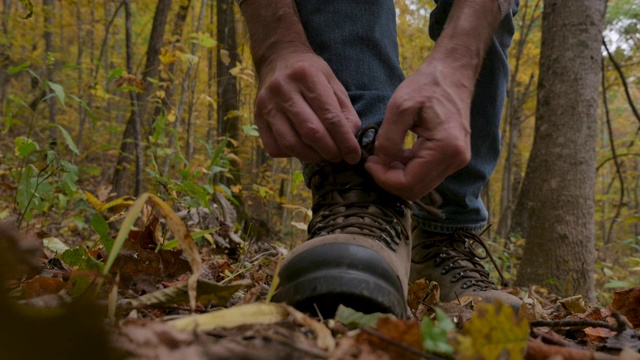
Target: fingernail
x=352 y=158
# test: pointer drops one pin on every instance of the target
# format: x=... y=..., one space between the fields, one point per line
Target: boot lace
x=356 y=205
x=456 y=252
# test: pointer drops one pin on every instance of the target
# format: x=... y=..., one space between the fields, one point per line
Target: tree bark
x=227 y=91
x=122 y=175
x=560 y=246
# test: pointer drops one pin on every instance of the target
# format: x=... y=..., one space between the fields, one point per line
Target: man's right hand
x=302 y=110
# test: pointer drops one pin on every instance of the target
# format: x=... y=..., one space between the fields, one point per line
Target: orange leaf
x=627 y=302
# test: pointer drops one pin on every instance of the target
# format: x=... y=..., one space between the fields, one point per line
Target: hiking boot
x=358 y=250
x=452 y=261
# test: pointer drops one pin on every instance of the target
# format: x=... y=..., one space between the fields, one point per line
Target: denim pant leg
x=462 y=205
x=358 y=39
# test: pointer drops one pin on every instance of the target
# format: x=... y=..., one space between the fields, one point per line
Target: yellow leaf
x=255 y=313
x=97 y=204
x=224 y=57
x=494 y=332
x=171 y=116
x=124 y=201
x=187 y=244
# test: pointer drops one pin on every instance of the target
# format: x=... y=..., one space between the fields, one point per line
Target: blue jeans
x=358 y=39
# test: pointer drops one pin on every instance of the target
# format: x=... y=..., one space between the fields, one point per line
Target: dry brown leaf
x=42 y=285
x=417 y=293
x=627 y=303
x=531 y=308
x=574 y=304
x=401 y=331
x=598 y=335
x=324 y=338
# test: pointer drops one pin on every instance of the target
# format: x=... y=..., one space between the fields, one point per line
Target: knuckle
x=301 y=70
x=403 y=104
x=310 y=132
x=332 y=118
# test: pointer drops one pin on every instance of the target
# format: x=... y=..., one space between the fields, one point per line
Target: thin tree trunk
x=49 y=6
x=121 y=177
x=134 y=101
x=192 y=89
x=516 y=98
x=560 y=244
x=210 y=77
x=227 y=91
x=176 y=33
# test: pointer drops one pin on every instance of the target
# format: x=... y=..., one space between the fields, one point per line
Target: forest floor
x=68 y=297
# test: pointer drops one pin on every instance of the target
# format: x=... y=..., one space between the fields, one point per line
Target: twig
x=405 y=347
x=619 y=327
x=613 y=152
x=623 y=80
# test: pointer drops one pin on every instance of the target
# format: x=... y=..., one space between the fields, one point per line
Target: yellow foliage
x=495 y=332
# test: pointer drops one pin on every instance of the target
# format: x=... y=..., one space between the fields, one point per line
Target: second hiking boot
x=452 y=261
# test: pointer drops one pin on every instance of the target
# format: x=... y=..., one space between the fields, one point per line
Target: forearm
x=274 y=27
x=466 y=35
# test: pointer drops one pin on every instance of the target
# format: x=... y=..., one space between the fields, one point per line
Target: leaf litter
x=209 y=300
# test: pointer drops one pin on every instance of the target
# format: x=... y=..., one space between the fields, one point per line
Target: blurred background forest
x=106 y=99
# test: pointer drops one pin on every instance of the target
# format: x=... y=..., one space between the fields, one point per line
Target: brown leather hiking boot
x=452 y=261
x=358 y=252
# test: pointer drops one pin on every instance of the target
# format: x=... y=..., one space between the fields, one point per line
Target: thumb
x=397 y=122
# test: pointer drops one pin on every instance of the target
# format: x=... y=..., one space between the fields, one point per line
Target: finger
x=281 y=140
x=310 y=129
x=352 y=118
x=399 y=118
x=324 y=101
x=410 y=181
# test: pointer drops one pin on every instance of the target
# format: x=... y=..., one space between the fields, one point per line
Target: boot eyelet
x=457 y=276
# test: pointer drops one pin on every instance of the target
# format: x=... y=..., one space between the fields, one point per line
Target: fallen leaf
x=495 y=332
x=256 y=313
x=324 y=338
x=531 y=308
x=207 y=292
x=417 y=293
x=598 y=335
x=188 y=246
x=627 y=303
x=574 y=304
x=353 y=319
x=435 y=334
x=55 y=245
x=42 y=285
x=392 y=330
x=146 y=268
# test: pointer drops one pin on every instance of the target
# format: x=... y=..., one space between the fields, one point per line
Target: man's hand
x=302 y=110
x=435 y=104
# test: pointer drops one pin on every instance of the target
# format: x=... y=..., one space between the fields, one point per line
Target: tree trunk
x=135 y=114
x=122 y=175
x=48 y=48
x=228 y=124
x=560 y=247
x=167 y=100
x=517 y=95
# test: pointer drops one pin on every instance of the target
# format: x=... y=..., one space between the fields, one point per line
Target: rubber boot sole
x=322 y=277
